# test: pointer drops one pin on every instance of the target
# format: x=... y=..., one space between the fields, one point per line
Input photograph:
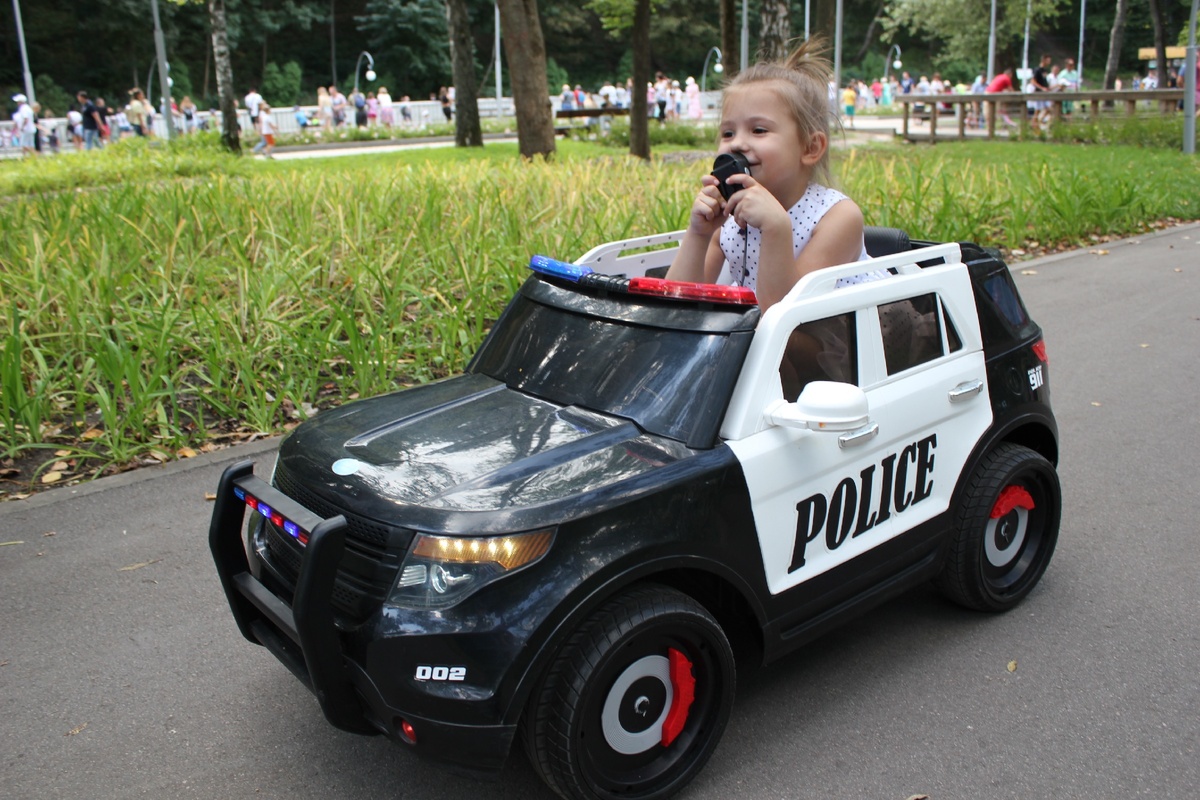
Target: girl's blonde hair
x=802 y=82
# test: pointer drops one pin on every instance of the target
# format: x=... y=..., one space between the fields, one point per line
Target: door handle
x=861 y=436
x=966 y=390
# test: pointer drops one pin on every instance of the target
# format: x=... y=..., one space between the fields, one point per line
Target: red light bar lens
x=683 y=290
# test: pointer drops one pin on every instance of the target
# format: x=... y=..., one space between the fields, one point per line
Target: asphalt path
x=122 y=673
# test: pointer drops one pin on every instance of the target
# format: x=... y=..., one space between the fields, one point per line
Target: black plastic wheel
x=1006 y=528
x=612 y=718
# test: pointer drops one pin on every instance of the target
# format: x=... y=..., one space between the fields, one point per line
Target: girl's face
x=757 y=124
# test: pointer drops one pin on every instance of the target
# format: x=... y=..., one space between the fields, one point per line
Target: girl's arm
x=837 y=239
x=699 y=258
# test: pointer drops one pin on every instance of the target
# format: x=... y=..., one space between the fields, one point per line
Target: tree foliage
x=958 y=30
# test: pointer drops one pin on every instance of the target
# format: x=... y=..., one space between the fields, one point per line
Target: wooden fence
x=963 y=107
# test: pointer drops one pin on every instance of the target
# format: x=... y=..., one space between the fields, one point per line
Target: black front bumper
x=304 y=635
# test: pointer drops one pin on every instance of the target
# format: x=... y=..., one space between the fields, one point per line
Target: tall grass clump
x=163 y=310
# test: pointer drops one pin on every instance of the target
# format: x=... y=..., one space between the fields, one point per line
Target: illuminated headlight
x=440 y=571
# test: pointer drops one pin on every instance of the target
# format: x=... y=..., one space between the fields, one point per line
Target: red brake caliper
x=1010 y=498
x=683 y=690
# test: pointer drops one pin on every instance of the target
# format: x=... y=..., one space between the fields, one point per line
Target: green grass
x=156 y=299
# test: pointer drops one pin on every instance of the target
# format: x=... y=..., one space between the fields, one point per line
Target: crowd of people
x=91 y=123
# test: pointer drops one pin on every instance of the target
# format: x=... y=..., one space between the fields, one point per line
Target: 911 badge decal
x=849 y=507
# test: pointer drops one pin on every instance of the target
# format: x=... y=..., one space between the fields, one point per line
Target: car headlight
x=440 y=571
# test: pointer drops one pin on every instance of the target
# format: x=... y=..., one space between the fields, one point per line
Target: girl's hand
x=708 y=212
x=755 y=205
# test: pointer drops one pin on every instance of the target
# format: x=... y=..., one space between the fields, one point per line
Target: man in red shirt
x=1003 y=83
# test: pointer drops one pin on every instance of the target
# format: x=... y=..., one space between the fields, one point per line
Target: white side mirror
x=823 y=406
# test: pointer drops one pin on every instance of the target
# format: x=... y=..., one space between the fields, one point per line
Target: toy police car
x=559 y=544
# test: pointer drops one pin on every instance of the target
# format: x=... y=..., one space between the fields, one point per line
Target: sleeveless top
x=742 y=249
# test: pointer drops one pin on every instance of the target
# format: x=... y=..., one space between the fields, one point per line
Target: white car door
x=820 y=498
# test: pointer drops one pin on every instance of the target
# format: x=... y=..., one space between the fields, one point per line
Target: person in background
x=188 y=109
x=253 y=102
x=25 y=124
x=91 y=121
x=324 y=108
x=266 y=130
x=75 y=127
x=387 y=114
x=849 y=102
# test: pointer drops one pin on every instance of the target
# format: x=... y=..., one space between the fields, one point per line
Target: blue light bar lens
x=239 y=493
x=292 y=528
x=558 y=269
x=264 y=509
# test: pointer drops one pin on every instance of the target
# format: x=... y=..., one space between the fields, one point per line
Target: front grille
x=374 y=551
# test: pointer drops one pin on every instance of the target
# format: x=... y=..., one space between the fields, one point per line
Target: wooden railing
x=1090 y=103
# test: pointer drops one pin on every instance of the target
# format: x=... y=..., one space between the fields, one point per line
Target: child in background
x=849 y=102
x=783 y=222
x=266 y=127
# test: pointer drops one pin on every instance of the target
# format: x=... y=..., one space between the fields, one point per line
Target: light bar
x=280 y=521
x=683 y=290
x=653 y=287
x=558 y=269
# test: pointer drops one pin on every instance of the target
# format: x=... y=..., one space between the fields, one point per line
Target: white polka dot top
x=742 y=250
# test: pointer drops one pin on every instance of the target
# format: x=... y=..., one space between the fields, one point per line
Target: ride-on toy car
x=559 y=544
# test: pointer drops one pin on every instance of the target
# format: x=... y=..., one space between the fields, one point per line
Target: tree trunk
x=776 y=31
x=730 y=38
x=1115 y=40
x=526 y=51
x=467 y=132
x=1160 y=43
x=869 y=37
x=230 y=131
x=639 y=116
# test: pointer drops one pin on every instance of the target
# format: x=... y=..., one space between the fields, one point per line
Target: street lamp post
x=717 y=67
x=897 y=64
x=24 y=53
x=370 y=75
x=165 y=82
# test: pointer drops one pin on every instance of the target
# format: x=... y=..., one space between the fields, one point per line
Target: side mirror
x=823 y=406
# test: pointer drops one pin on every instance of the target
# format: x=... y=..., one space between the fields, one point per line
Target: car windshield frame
x=667 y=366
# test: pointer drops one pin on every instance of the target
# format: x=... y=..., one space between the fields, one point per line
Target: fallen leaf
x=918 y=797
x=52 y=477
x=18 y=541
x=61 y=466
x=1012 y=666
x=10 y=472
x=139 y=566
x=210 y=495
x=50 y=533
x=1096 y=404
x=1143 y=346
x=62 y=453
x=1179 y=269
x=1029 y=272
x=186 y=452
x=92 y=433
x=1098 y=252
x=75 y=730
x=159 y=454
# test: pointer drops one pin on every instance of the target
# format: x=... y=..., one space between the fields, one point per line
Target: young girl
x=782 y=223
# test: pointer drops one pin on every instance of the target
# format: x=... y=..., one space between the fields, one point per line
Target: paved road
x=122 y=674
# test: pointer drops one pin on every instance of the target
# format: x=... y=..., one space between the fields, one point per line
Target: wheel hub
x=636 y=706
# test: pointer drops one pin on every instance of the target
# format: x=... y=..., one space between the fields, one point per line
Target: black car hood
x=469 y=454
